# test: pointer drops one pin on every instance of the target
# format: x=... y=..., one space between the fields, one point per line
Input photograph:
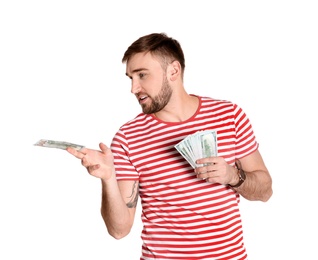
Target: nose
x=135 y=87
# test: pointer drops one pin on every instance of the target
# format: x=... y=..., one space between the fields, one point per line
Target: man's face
x=149 y=82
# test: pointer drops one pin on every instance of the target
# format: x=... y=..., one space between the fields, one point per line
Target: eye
x=141 y=75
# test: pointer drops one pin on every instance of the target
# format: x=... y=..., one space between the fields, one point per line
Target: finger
x=205 y=169
x=206 y=172
x=209 y=180
x=83 y=150
x=103 y=147
x=85 y=162
x=71 y=150
x=212 y=178
x=207 y=161
x=78 y=154
x=202 y=175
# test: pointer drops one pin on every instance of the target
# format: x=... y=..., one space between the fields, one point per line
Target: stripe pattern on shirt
x=185 y=217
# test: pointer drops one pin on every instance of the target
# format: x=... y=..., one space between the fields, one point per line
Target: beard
x=159 y=101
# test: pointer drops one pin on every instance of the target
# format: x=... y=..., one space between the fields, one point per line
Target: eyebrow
x=135 y=71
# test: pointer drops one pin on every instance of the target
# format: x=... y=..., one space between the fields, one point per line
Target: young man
x=187 y=212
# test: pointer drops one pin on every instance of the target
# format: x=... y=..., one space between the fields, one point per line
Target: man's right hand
x=99 y=163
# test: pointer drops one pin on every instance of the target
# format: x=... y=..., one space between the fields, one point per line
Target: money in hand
x=57 y=144
x=201 y=144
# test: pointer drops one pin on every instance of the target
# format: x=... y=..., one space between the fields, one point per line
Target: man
x=187 y=213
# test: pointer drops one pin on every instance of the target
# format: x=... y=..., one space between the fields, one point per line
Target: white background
x=61 y=78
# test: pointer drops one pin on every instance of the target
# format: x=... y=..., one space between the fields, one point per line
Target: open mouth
x=142 y=99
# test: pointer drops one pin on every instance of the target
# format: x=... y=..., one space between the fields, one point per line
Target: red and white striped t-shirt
x=185 y=217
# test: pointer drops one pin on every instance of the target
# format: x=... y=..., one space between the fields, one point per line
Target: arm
x=258 y=183
x=119 y=199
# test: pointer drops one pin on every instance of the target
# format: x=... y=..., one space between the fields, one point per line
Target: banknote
x=57 y=144
x=199 y=145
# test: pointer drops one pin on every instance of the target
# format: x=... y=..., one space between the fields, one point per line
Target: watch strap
x=241 y=174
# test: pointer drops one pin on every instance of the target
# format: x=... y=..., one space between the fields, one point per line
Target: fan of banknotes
x=57 y=144
x=199 y=145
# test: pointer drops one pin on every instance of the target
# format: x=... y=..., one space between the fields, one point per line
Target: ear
x=174 y=70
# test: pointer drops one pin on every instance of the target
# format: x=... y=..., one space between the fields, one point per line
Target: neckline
x=181 y=122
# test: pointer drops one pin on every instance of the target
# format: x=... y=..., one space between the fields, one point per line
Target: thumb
x=103 y=147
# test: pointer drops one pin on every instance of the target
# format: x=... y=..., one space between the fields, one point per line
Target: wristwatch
x=241 y=174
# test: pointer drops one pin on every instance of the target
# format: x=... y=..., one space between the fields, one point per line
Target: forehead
x=142 y=61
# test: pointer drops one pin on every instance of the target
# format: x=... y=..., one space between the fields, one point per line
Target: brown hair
x=159 y=44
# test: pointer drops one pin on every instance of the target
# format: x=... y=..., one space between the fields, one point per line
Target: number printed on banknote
x=57 y=144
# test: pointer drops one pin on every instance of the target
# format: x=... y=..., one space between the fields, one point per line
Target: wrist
x=241 y=176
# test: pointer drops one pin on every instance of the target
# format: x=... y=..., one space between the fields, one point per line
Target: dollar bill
x=57 y=144
x=208 y=143
x=201 y=144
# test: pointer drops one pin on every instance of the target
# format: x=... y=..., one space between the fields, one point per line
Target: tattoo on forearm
x=134 y=196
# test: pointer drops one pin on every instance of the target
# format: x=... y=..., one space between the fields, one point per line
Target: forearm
x=114 y=210
x=257 y=186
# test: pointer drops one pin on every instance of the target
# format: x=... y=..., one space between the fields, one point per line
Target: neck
x=179 y=109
